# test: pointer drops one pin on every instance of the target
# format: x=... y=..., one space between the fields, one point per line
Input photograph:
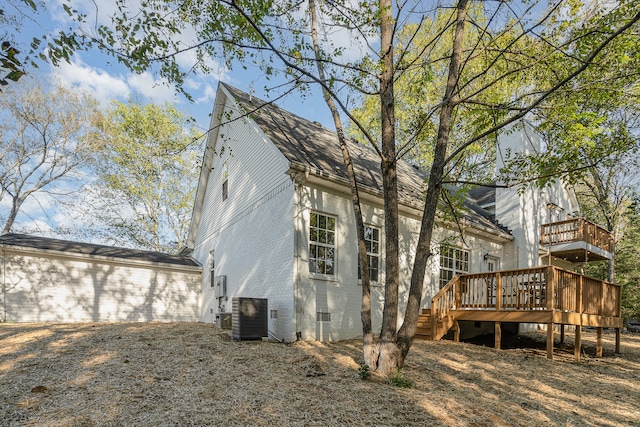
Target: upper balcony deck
x=577 y=240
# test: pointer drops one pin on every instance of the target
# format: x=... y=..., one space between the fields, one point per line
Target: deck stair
x=426 y=327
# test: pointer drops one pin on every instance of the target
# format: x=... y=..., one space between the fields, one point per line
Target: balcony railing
x=576 y=230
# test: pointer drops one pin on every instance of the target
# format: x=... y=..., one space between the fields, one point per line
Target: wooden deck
x=543 y=295
x=577 y=240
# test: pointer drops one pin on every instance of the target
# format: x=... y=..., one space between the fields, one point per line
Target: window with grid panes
x=452 y=261
x=372 y=242
x=225 y=181
x=322 y=244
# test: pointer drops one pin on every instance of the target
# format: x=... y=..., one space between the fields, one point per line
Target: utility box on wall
x=249 y=318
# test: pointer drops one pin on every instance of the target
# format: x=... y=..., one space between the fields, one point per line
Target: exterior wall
x=341 y=294
x=41 y=287
x=524 y=210
x=249 y=235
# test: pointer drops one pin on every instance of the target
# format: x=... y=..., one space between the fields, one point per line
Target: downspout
x=298 y=181
x=4 y=286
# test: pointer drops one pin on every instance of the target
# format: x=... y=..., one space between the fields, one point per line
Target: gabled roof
x=45 y=243
x=308 y=146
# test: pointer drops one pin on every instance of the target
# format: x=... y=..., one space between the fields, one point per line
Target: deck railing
x=441 y=305
x=539 y=288
x=576 y=230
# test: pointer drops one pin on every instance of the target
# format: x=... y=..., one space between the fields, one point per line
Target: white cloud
x=103 y=86
x=157 y=90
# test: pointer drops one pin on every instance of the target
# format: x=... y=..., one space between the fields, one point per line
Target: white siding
x=251 y=232
x=524 y=210
x=52 y=288
x=341 y=295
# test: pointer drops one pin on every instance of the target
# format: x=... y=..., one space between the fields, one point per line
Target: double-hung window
x=322 y=244
x=372 y=242
x=452 y=261
x=225 y=181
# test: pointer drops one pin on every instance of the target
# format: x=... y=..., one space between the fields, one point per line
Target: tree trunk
x=369 y=350
x=389 y=359
x=423 y=251
x=16 y=202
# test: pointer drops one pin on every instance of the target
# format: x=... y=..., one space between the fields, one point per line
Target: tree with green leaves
x=627 y=255
x=48 y=135
x=476 y=48
x=145 y=178
x=10 y=64
x=13 y=14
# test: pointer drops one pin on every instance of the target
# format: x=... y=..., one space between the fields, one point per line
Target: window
x=452 y=262
x=225 y=181
x=322 y=244
x=493 y=263
x=323 y=316
x=372 y=241
x=212 y=272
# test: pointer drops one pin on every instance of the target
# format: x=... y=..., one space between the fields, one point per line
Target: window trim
x=225 y=181
x=377 y=255
x=320 y=275
x=455 y=262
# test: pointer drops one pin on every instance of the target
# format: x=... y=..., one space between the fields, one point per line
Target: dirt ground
x=192 y=374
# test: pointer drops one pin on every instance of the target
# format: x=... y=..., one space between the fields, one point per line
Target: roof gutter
x=373 y=195
x=370 y=194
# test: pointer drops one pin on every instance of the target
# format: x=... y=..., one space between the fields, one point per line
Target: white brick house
x=273 y=219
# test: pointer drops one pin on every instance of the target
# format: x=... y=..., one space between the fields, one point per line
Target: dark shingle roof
x=309 y=144
x=45 y=243
x=483 y=196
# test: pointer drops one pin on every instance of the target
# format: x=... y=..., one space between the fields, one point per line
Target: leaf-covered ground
x=182 y=374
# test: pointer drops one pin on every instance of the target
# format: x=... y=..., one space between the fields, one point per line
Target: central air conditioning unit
x=249 y=318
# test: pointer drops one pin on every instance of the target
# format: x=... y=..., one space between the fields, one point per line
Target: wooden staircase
x=424 y=331
x=435 y=322
x=425 y=327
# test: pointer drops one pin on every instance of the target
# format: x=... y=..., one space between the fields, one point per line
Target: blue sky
x=106 y=80
x=102 y=76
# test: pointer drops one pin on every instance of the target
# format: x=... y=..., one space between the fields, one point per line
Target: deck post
x=498 y=292
x=599 y=342
x=562 y=336
x=577 y=347
x=550 y=331
x=551 y=287
x=498 y=328
x=456 y=331
x=617 y=341
x=579 y=295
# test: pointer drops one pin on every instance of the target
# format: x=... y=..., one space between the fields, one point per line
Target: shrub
x=364 y=372
x=399 y=379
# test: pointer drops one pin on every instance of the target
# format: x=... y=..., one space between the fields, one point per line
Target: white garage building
x=50 y=280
